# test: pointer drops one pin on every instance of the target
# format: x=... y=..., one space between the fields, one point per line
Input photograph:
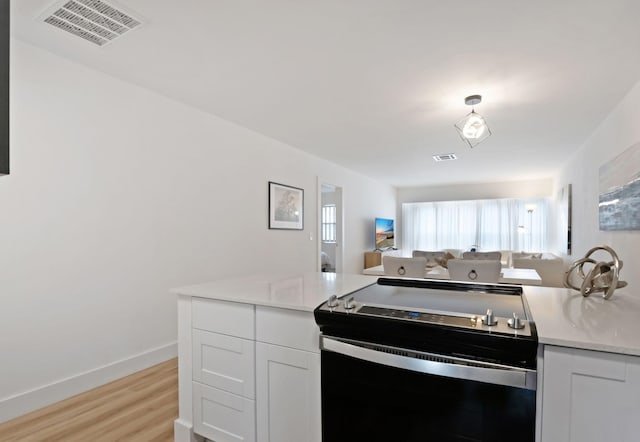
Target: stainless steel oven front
x=407 y=374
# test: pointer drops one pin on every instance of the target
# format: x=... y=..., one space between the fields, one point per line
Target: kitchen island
x=268 y=388
x=589 y=364
x=248 y=356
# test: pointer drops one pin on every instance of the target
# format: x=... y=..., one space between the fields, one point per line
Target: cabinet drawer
x=224 y=362
x=222 y=416
x=290 y=328
x=229 y=318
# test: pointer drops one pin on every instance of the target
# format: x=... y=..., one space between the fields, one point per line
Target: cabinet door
x=590 y=396
x=287 y=394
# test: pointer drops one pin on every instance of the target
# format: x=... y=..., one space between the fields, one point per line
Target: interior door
x=330 y=227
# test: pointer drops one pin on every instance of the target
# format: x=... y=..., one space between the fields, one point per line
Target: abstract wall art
x=619 y=201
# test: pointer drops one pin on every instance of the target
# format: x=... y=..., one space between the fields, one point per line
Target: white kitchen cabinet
x=287 y=376
x=590 y=396
x=255 y=373
x=288 y=394
x=223 y=370
x=221 y=325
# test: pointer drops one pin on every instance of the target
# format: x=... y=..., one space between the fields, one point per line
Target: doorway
x=330 y=250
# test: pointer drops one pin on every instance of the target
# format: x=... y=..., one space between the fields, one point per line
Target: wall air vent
x=445 y=157
x=93 y=20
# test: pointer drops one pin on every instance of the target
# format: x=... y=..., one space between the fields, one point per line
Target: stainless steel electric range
x=417 y=360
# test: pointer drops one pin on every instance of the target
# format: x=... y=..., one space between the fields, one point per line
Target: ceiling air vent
x=445 y=157
x=93 y=20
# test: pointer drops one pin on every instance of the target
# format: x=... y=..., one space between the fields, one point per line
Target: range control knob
x=515 y=322
x=489 y=319
x=332 y=301
x=350 y=303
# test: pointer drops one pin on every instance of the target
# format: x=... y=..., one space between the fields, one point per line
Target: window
x=329 y=223
x=499 y=224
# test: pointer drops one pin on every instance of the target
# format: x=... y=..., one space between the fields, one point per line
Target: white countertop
x=563 y=317
x=300 y=291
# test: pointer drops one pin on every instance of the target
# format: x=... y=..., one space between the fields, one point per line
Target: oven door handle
x=453 y=368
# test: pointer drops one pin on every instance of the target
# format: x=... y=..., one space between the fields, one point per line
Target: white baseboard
x=31 y=400
x=183 y=432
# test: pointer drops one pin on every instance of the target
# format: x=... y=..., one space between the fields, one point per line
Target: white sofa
x=457 y=253
x=550 y=267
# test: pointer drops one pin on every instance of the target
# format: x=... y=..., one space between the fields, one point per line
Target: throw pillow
x=443 y=261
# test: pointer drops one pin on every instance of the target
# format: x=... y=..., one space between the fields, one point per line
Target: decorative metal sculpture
x=603 y=277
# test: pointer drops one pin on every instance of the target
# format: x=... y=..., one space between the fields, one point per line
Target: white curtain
x=498 y=224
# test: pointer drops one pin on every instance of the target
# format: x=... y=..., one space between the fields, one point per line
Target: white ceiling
x=375 y=85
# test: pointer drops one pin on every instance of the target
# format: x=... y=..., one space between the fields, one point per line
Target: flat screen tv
x=385 y=234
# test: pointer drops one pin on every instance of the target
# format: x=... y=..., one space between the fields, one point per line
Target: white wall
x=620 y=130
x=476 y=191
x=118 y=194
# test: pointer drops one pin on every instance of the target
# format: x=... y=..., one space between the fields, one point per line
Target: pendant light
x=473 y=128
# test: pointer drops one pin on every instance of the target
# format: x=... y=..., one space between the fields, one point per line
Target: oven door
x=378 y=393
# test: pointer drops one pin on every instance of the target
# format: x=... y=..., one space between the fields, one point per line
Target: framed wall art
x=619 y=192
x=286 y=207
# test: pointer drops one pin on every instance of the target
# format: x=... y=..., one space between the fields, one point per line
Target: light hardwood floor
x=139 y=407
